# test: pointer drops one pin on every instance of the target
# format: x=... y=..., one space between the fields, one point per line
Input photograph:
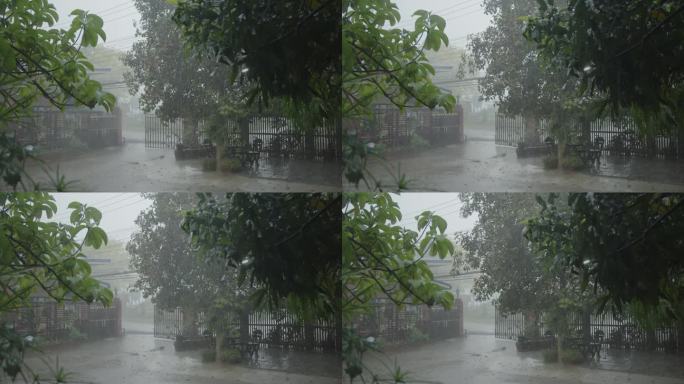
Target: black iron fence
x=48 y=128
x=410 y=323
x=395 y=128
x=620 y=137
x=276 y=136
x=54 y=321
x=618 y=331
x=278 y=329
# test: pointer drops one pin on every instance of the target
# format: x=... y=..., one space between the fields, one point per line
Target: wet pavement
x=482 y=359
x=142 y=359
x=132 y=167
x=480 y=165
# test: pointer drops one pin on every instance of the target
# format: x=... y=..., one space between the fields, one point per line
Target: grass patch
x=572 y=163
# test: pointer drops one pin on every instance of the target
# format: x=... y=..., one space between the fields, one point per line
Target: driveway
x=482 y=359
x=134 y=168
x=481 y=166
x=142 y=359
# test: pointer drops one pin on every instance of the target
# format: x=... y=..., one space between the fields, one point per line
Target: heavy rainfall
x=131 y=288
x=118 y=119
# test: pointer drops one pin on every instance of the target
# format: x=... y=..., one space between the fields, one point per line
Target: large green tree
x=174 y=81
x=514 y=77
x=627 y=53
x=287 y=246
x=39 y=255
x=382 y=259
x=169 y=269
x=286 y=49
x=38 y=60
x=382 y=62
x=174 y=274
x=496 y=247
x=628 y=245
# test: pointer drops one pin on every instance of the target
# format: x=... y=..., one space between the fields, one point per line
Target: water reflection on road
x=482 y=359
x=142 y=359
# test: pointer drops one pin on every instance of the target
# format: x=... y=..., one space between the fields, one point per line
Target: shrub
x=230 y=165
x=231 y=356
x=550 y=356
x=572 y=356
x=573 y=163
x=209 y=165
x=208 y=356
x=418 y=142
x=75 y=334
x=416 y=335
x=551 y=162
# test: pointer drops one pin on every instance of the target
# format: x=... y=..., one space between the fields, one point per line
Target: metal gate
x=277 y=136
x=168 y=134
x=279 y=329
x=396 y=325
x=619 y=331
x=619 y=136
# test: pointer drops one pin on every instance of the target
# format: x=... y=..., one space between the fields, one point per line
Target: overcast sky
x=463 y=17
x=119 y=210
x=118 y=16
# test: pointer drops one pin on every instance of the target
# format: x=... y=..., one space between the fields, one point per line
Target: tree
x=380 y=61
x=628 y=245
x=627 y=53
x=514 y=76
x=510 y=271
x=380 y=258
x=173 y=81
x=169 y=269
x=39 y=62
x=41 y=256
x=287 y=49
x=286 y=246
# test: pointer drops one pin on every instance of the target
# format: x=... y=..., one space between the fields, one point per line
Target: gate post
x=309 y=339
x=119 y=317
x=459 y=317
x=244 y=325
x=244 y=131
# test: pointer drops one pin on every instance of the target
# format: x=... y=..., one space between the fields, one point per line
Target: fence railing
x=618 y=331
x=620 y=137
x=396 y=325
x=279 y=329
x=395 y=128
x=52 y=129
x=58 y=321
x=278 y=136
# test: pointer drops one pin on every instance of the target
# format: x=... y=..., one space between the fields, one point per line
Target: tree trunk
x=561 y=151
x=189 y=323
x=190 y=134
x=531 y=130
x=244 y=131
x=220 y=335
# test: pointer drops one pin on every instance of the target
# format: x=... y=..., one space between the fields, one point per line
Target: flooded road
x=480 y=165
x=482 y=359
x=142 y=359
x=132 y=167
